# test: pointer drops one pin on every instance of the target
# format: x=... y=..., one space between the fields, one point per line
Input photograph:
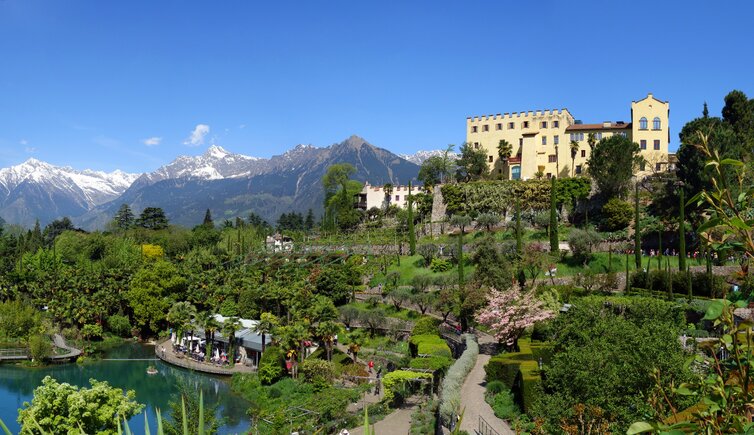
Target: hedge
x=450 y=395
x=701 y=283
x=519 y=371
x=429 y=344
x=426 y=326
x=435 y=363
x=392 y=380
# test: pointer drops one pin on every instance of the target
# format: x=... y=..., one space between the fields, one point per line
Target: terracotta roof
x=612 y=126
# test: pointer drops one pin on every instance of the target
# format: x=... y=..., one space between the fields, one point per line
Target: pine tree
x=152 y=218
x=554 y=243
x=208 y=222
x=124 y=217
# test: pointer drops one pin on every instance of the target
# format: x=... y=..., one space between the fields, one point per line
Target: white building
x=376 y=196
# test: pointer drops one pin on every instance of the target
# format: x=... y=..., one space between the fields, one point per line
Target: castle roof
x=602 y=126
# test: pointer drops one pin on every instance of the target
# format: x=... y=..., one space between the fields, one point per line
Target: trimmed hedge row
x=426 y=326
x=429 y=344
x=519 y=371
x=450 y=395
x=701 y=283
x=435 y=363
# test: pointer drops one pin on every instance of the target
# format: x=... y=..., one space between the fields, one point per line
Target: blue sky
x=89 y=83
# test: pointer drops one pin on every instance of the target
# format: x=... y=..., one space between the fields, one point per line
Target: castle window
x=622 y=133
x=656 y=124
x=658 y=167
x=544 y=140
x=490 y=157
x=643 y=144
x=474 y=129
x=643 y=123
x=555 y=124
x=397 y=197
x=657 y=144
x=556 y=139
x=583 y=153
x=525 y=125
x=552 y=158
x=543 y=124
x=498 y=126
x=476 y=145
x=485 y=127
x=598 y=136
x=578 y=169
x=511 y=125
x=521 y=142
x=516 y=173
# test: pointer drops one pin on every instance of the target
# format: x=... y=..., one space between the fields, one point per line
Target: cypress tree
x=681 y=231
x=208 y=222
x=628 y=276
x=519 y=236
x=460 y=260
x=637 y=230
x=554 y=246
x=411 y=232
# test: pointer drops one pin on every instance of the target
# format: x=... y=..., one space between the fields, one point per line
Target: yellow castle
x=552 y=142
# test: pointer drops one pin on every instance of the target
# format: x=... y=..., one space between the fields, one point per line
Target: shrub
x=396 y=380
x=495 y=387
x=519 y=371
x=581 y=243
x=428 y=344
x=504 y=405
x=450 y=399
x=426 y=326
x=40 y=347
x=616 y=215
x=440 y=265
x=92 y=331
x=317 y=371
x=119 y=325
x=271 y=365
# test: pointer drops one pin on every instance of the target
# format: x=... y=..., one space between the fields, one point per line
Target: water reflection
x=17 y=386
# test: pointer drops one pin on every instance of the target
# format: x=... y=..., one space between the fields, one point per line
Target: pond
x=17 y=385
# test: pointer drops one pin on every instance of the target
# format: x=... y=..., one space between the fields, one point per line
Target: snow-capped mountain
x=38 y=190
x=233 y=185
x=420 y=156
x=215 y=164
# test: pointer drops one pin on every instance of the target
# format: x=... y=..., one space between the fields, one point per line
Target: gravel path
x=472 y=399
x=397 y=422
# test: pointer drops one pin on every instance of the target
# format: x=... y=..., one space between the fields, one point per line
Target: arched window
x=656 y=124
x=643 y=124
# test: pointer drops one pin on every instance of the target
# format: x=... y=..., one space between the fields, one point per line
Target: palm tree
x=229 y=328
x=504 y=151
x=591 y=139
x=267 y=323
x=209 y=324
x=388 y=189
x=181 y=315
x=301 y=333
x=574 y=151
x=327 y=331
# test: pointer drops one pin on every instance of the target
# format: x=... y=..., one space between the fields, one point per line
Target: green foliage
x=582 y=243
x=702 y=284
x=317 y=371
x=641 y=333
x=395 y=381
x=152 y=218
x=492 y=270
x=119 y=325
x=440 y=265
x=472 y=165
x=426 y=326
x=612 y=164
x=429 y=345
x=553 y=225
x=40 y=347
x=63 y=408
x=91 y=331
x=271 y=365
x=504 y=405
x=189 y=415
x=434 y=363
x=616 y=215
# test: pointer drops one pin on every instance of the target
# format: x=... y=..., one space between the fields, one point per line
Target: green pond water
x=17 y=386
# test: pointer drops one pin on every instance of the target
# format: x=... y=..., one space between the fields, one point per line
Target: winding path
x=472 y=399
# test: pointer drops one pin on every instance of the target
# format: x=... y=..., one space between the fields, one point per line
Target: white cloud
x=197 y=136
x=23 y=142
x=152 y=141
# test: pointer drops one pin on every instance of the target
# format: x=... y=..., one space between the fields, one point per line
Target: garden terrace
x=163 y=350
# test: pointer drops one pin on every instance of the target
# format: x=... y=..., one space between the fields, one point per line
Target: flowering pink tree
x=509 y=313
